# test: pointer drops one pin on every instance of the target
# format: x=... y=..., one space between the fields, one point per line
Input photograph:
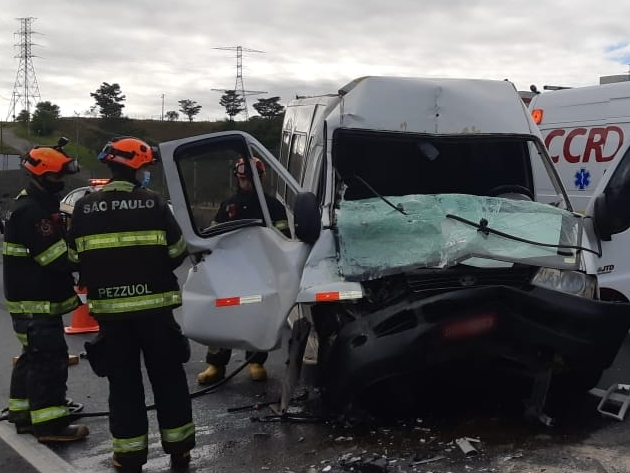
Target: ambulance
x=586 y=130
x=429 y=231
x=587 y=133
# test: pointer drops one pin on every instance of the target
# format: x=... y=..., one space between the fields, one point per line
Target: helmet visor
x=71 y=167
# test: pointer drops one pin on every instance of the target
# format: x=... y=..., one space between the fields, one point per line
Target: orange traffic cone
x=82 y=321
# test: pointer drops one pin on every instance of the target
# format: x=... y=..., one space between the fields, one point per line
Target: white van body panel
x=321 y=273
x=271 y=291
x=587 y=130
x=440 y=106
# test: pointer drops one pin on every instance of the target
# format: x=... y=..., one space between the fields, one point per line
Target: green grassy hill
x=88 y=135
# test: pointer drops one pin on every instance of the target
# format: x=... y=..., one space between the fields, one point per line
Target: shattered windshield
x=376 y=239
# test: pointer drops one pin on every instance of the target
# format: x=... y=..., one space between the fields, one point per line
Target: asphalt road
x=231 y=437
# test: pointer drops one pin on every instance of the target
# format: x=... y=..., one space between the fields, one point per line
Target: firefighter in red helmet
x=243 y=204
x=39 y=289
x=127 y=245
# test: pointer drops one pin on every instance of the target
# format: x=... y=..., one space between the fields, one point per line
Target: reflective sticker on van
x=238 y=300
x=337 y=296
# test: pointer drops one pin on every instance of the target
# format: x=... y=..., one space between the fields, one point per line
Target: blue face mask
x=143 y=177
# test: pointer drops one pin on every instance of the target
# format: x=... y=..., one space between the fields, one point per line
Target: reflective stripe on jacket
x=37 y=273
x=127 y=244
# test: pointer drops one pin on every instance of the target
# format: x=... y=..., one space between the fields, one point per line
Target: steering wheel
x=514 y=190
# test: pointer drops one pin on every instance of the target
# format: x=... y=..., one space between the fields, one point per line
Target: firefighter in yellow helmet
x=127 y=244
x=39 y=289
x=243 y=204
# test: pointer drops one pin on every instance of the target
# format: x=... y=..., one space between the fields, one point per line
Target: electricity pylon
x=239 y=87
x=26 y=89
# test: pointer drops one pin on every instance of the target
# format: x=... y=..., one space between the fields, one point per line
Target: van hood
x=439 y=231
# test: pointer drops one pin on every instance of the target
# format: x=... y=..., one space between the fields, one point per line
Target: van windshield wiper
x=483 y=227
x=398 y=207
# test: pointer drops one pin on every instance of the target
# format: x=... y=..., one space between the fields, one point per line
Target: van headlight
x=569 y=282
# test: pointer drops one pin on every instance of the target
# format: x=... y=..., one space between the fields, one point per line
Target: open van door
x=246 y=273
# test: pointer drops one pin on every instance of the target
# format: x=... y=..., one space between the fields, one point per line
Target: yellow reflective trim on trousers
x=14 y=249
x=120 y=240
x=42 y=307
x=49 y=413
x=132 y=304
x=52 y=253
x=18 y=405
x=177 y=249
x=134 y=444
x=73 y=256
x=178 y=434
x=22 y=338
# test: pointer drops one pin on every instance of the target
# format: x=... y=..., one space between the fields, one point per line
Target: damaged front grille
x=430 y=282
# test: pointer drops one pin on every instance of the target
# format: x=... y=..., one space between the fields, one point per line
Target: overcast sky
x=154 y=48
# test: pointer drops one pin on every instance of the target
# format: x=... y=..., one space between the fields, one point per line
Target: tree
x=269 y=108
x=172 y=115
x=189 y=108
x=45 y=118
x=233 y=103
x=108 y=98
x=23 y=117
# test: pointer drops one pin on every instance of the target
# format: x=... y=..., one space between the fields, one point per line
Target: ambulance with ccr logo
x=587 y=133
x=586 y=130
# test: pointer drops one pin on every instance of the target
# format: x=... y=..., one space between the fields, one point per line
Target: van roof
x=590 y=103
x=436 y=106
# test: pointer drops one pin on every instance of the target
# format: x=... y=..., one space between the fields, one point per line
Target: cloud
x=157 y=48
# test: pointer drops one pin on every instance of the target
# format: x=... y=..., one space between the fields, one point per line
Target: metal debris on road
x=429 y=460
x=465 y=446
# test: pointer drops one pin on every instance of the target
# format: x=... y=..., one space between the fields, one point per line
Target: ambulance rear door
x=246 y=273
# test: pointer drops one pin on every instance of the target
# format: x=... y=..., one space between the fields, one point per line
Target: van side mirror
x=306 y=217
x=601 y=218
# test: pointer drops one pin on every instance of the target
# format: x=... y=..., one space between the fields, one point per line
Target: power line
x=239 y=87
x=25 y=89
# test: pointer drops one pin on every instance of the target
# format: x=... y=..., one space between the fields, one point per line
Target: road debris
x=614 y=401
x=466 y=447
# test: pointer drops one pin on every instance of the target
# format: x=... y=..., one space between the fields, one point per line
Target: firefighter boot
x=257 y=372
x=211 y=375
x=69 y=434
x=180 y=461
x=123 y=468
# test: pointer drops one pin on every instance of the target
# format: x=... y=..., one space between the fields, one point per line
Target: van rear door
x=246 y=273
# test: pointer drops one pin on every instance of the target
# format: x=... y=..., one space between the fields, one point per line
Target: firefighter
x=243 y=204
x=39 y=289
x=127 y=244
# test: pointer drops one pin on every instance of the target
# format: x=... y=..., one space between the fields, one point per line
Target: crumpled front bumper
x=410 y=336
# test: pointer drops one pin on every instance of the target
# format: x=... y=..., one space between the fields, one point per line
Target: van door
x=246 y=272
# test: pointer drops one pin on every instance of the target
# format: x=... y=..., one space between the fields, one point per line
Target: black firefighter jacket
x=38 y=279
x=127 y=243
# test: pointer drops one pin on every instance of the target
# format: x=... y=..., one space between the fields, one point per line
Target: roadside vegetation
x=105 y=119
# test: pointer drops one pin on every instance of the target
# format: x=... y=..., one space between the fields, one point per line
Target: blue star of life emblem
x=582 y=179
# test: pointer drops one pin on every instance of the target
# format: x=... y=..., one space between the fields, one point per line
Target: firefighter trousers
x=158 y=339
x=37 y=394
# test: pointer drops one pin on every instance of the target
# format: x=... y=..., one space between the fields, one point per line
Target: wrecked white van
x=419 y=240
